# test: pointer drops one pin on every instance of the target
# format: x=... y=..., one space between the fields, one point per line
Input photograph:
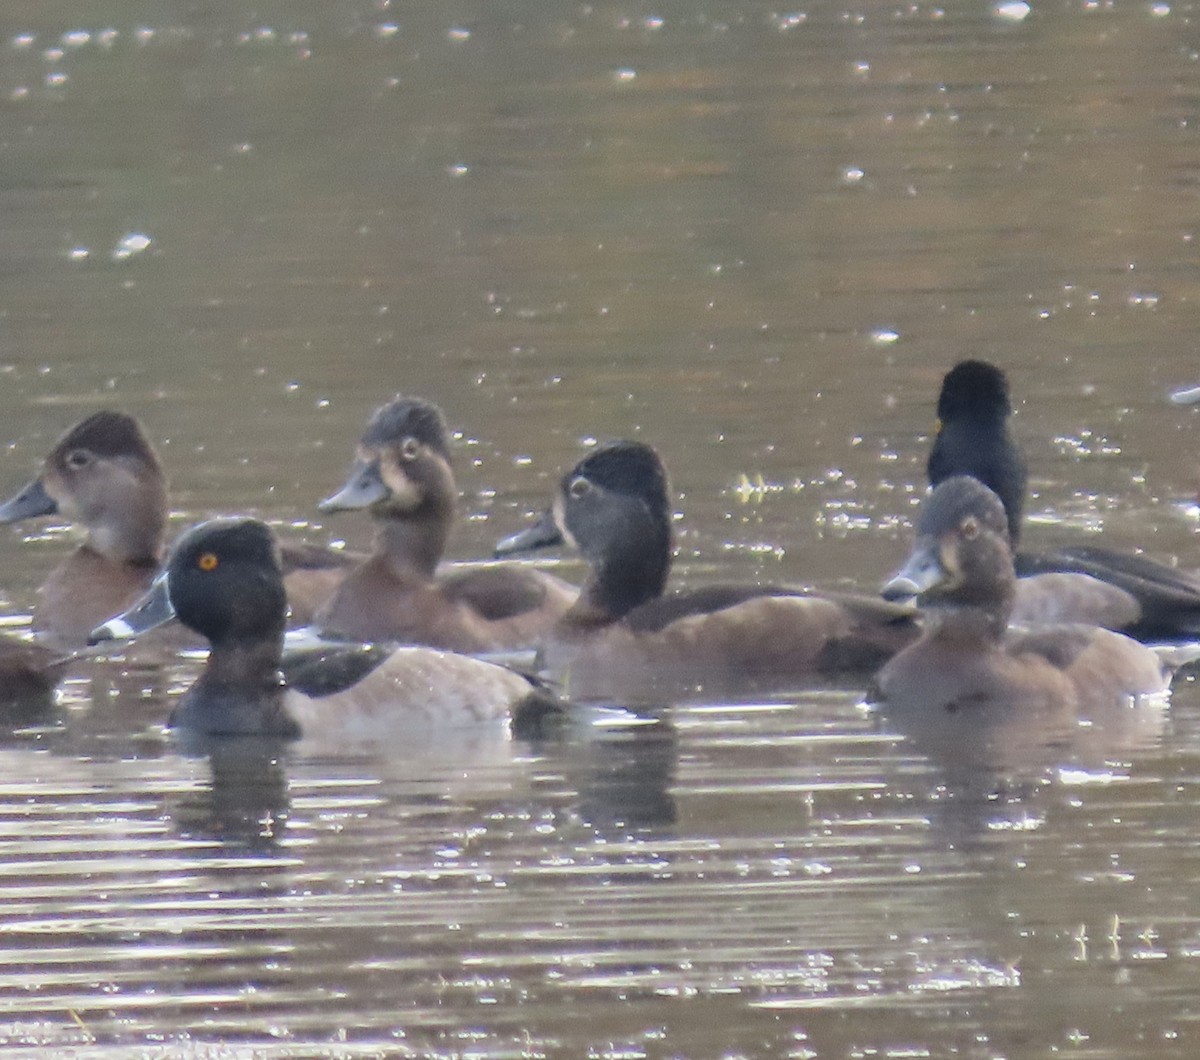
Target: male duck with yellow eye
x=225 y=582
x=402 y=477
x=624 y=638
x=962 y=573
x=105 y=475
x=1120 y=590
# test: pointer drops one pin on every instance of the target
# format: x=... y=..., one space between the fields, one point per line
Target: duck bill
x=922 y=573
x=542 y=534
x=31 y=502
x=154 y=609
x=363 y=488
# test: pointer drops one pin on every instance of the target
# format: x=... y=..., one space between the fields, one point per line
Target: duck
x=403 y=478
x=1120 y=590
x=105 y=475
x=968 y=660
x=224 y=580
x=626 y=636
x=974 y=410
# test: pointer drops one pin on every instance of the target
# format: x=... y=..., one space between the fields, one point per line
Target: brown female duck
x=402 y=477
x=967 y=658
x=105 y=476
x=1089 y=583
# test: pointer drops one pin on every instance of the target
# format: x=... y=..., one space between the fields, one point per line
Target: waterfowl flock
x=968 y=626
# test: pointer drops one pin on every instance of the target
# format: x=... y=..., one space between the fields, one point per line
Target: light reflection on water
x=754 y=238
x=796 y=856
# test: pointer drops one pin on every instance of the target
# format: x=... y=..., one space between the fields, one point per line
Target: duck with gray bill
x=224 y=581
x=105 y=476
x=962 y=573
x=1089 y=583
x=627 y=637
x=402 y=477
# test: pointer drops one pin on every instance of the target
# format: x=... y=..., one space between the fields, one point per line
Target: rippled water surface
x=753 y=236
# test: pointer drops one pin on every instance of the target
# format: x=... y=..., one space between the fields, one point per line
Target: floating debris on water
x=129 y=245
x=1187 y=396
x=1012 y=11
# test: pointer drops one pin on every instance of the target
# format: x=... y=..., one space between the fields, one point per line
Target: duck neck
x=619 y=583
x=965 y=622
x=241 y=692
x=413 y=546
x=133 y=535
x=250 y=666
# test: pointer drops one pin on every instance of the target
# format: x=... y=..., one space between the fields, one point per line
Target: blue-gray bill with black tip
x=922 y=571
x=154 y=609
x=364 y=487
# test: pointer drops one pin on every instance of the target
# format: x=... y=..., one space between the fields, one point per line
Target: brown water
x=753 y=236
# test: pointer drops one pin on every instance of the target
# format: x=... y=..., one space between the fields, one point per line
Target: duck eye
x=78 y=458
x=579 y=487
x=969 y=528
x=937 y=426
x=208 y=561
x=409 y=448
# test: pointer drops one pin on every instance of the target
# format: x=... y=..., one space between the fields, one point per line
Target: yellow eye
x=208 y=561
x=969 y=527
x=937 y=426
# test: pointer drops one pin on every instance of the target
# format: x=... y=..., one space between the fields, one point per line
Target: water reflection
x=988 y=768
x=245 y=800
x=584 y=869
x=619 y=784
x=971 y=743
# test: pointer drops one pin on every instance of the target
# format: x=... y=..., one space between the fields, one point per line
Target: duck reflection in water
x=615 y=771
x=973 y=692
x=245 y=800
x=29 y=673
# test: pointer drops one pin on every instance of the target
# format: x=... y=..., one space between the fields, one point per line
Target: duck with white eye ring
x=968 y=658
x=402 y=477
x=630 y=639
x=105 y=476
x=1085 y=582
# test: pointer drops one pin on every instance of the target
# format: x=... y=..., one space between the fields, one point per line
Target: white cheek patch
x=107 y=539
x=951 y=568
x=557 y=509
x=405 y=493
x=64 y=498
